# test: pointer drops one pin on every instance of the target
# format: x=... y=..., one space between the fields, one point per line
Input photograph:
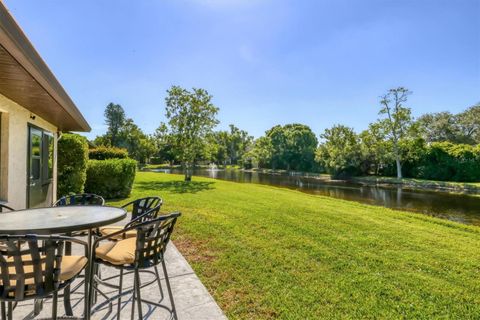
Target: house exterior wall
x=14 y=152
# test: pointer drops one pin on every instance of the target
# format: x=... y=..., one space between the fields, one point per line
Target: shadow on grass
x=175 y=186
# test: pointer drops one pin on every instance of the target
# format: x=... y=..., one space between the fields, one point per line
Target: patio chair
x=141 y=212
x=81 y=199
x=36 y=270
x=133 y=255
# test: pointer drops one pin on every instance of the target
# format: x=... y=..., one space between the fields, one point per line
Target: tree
x=260 y=155
x=115 y=120
x=438 y=127
x=237 y=143
x=375 y=149
x=191 y=116
x=277 y=139
x=217 y=147
x=293 y=146
x=397 y=122
x=339 y=153
x=163 y=143
x=228 y=146
x=469 y=124
x=122 y=132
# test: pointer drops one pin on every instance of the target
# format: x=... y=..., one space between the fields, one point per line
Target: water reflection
x=460 y=208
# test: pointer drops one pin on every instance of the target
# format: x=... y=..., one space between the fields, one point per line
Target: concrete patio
x=192 y=300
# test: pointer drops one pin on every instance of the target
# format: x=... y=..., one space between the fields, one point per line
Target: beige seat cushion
x=119 y=252
x=105 y=231
x=70 y=267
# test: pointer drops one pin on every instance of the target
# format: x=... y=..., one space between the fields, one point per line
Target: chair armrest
x=80 y=242
x=134 y=227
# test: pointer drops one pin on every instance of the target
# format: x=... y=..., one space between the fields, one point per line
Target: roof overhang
x=26 y=79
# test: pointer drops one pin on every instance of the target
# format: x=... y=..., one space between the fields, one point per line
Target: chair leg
x=167 y=281
x=119 y=301
x=89 y=278
x=159 y=283
x=10 y=311
x=54 y=305
x=67 y=304
x=95 y=292
x=139 y=296
x=37 y=306
x=4 y=311
x=132 y=314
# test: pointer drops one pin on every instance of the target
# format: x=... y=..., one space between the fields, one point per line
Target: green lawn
x=266 y=253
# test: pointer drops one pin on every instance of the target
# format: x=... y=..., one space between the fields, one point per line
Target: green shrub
x=103 y=153
x=451 y=162
x=157 y=160
x=72 y=164
x=111 y=178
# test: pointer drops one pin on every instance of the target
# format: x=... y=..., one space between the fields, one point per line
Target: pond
x=456 y=207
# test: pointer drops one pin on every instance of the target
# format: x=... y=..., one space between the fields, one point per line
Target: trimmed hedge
x=103 y=153
x=72 y=164
x=111 y=178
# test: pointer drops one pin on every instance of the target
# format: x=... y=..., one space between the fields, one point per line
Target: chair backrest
x=4 y=208
x=152 y=239
x=145 y=216
x=142 y=205
x=31 y=270
x=82 y=199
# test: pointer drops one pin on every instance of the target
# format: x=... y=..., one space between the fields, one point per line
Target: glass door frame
x=45 y=171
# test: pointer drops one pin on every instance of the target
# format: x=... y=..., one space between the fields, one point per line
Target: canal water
x=456 y=207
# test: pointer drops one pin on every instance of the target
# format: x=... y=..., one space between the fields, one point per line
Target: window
x=47 y=156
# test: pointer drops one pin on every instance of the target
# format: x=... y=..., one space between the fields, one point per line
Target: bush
x=72 y=164
x=103 y=153
x=448 y=161
x=111 y=178
x=157 y=160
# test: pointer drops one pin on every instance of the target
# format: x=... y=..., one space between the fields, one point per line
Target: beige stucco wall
x=14 y=151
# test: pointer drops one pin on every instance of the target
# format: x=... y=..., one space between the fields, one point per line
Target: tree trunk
x=188 y=172
x=399 y=167
x=397 y=158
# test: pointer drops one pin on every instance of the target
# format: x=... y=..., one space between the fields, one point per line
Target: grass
x=272 y=253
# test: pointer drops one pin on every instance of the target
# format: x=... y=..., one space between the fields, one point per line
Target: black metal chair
x=4 y=207
x=136 y=254
x=36 y=270
x=81 y=199
x=140 y=208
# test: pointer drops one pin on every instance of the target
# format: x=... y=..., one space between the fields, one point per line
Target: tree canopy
x=191 y=117
x=394 y=144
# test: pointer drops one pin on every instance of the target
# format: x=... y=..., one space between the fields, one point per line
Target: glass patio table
x=61 y=220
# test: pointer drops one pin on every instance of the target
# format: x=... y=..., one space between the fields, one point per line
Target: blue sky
x=266 y=62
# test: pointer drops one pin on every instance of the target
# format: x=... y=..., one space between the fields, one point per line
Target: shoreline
x=468 y=188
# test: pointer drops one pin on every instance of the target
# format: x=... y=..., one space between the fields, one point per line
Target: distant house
x=34 y=111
